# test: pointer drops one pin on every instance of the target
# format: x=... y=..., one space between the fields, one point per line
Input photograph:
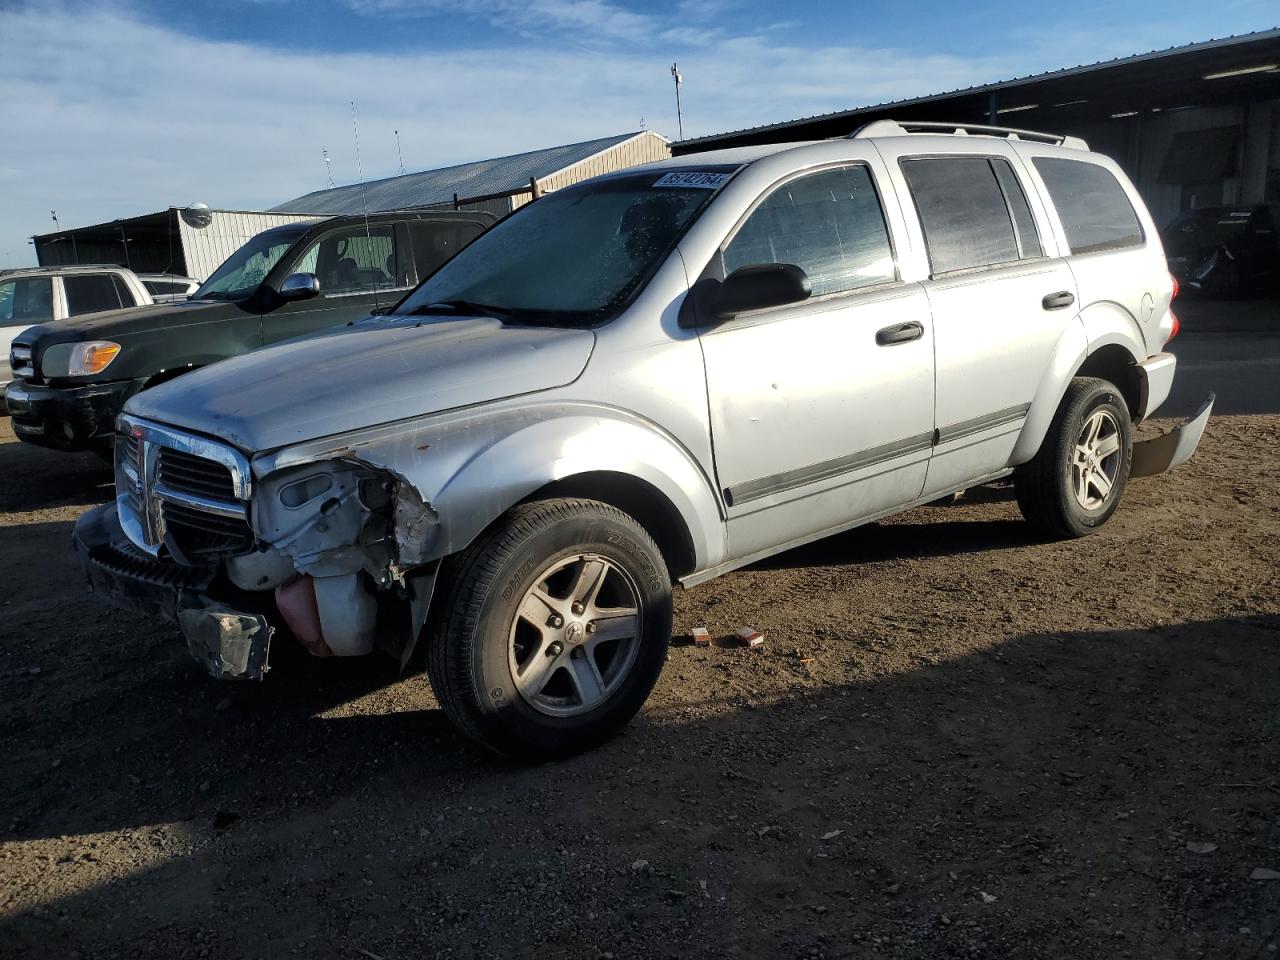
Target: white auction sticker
x=702 y=179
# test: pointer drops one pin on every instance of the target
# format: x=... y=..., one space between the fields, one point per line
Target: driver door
x=821 y=411
x=359 y=268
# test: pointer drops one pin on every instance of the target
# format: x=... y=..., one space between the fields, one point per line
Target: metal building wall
x=646 y=147
x=205 y=248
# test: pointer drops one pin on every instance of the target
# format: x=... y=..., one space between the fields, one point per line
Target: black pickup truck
x=72 y=376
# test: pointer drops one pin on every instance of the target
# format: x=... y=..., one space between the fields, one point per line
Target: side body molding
x=470 y=467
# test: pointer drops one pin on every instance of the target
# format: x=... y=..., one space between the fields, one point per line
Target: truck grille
x=20 y=360
x=181 y=493
x=192 y=474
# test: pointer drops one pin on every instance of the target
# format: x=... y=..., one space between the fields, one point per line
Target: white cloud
x=109 y=116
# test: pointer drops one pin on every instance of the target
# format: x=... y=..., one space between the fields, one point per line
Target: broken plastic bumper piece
x=230 y=644
x=1163 y=453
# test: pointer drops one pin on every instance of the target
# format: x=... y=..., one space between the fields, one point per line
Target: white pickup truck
x=31 y=295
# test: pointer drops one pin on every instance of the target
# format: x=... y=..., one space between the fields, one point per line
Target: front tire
x=1074 y=483
x=555 y=626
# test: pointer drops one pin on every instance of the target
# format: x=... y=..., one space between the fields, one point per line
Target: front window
x=355 y=259
x=243 y=271
x=574 y=256
x=25 y=301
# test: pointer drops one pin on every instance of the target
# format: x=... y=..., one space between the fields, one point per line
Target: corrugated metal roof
x=684 y=146
x=478 y=179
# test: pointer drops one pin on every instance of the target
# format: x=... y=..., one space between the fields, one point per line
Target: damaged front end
x=336 y=551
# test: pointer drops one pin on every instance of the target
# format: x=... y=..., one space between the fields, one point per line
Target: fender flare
x=1099 y=325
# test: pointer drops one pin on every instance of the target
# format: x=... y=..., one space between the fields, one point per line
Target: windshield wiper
x=461 y=306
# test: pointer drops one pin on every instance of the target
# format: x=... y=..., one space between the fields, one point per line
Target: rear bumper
x=1163 y=453
x=1156 y=374
x=224 y=631
x=67 y=418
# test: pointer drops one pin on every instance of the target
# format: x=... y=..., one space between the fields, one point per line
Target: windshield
x=245 y=269
x=574 y=256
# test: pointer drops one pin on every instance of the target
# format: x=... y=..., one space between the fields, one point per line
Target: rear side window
x=165 y=287
x=973 y=212
x=89 y=293
x=434 y=243
x=829 y=224
x=127 y=299
x=1095 y=211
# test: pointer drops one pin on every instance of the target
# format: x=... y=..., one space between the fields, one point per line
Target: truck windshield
x=244 y=270
x=574 y=256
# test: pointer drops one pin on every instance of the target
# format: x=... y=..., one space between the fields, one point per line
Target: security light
x=1264 y=68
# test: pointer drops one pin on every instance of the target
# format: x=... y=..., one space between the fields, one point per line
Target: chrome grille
x=20 y=360
x=181 y=492
x=192 y=474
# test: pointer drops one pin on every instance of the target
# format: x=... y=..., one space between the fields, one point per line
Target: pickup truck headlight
x=91 y=357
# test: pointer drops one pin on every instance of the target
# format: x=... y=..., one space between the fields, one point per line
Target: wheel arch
x=638 y=498
x=1112 y=356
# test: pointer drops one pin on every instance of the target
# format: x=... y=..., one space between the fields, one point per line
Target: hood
x=114 y=324
x=371 y=372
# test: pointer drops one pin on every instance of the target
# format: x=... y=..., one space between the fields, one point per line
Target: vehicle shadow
x=995 y=790
x=875 y=542
x=36 y=478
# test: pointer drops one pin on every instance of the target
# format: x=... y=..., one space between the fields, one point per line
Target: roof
x=1166 y=78
x=481 y=178
x=64 y=268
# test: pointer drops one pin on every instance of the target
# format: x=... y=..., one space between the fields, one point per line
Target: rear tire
x=1074 y=483
x=555 y=627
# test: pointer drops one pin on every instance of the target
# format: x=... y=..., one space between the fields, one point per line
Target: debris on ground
x=701 y=637
x=1195 y=846
x=1264 y=873
x=749 y=637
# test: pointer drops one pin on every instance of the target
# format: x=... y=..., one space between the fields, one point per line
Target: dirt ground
x=955 y=742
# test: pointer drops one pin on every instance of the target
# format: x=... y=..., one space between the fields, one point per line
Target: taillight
x=1176 y=326
x=1174 y=295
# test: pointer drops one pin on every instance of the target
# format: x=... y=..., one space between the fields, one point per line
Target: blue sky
x=118 y=108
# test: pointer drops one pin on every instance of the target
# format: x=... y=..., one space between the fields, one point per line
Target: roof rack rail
x=901 y=128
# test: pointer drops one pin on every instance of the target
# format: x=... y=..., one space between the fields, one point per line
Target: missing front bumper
x=1161 y=454
x=230 y=643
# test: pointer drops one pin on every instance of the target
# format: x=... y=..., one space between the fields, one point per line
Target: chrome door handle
x=1059 y=300
x=899 y=333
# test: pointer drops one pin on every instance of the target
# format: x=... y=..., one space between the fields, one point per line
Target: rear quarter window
x=1095 y=210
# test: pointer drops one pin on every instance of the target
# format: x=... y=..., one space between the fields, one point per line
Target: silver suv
x=649 y=379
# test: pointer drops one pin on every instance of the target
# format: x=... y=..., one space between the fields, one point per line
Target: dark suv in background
x=72 y=376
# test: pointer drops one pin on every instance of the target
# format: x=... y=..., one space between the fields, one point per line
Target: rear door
x=359 y=268
x=821 y=411
x=1001 y=300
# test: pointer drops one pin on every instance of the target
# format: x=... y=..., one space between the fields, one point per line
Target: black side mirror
x=300 y=286
x=761 y=285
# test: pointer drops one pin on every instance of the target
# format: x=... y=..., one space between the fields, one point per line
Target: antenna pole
x=328 y=166
x=675 y=75
x=364 y=200
x=399 y=154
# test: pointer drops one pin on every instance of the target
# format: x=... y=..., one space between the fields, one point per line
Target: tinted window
x=164 y=287
x=829 y=224
x=354 y=259
x=962 y=209
x=576 y=255
x=127 y=299
x=435 y=243
x=1023 y=223
x=25 y=301
x=1094 y=209
x=89 y=293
